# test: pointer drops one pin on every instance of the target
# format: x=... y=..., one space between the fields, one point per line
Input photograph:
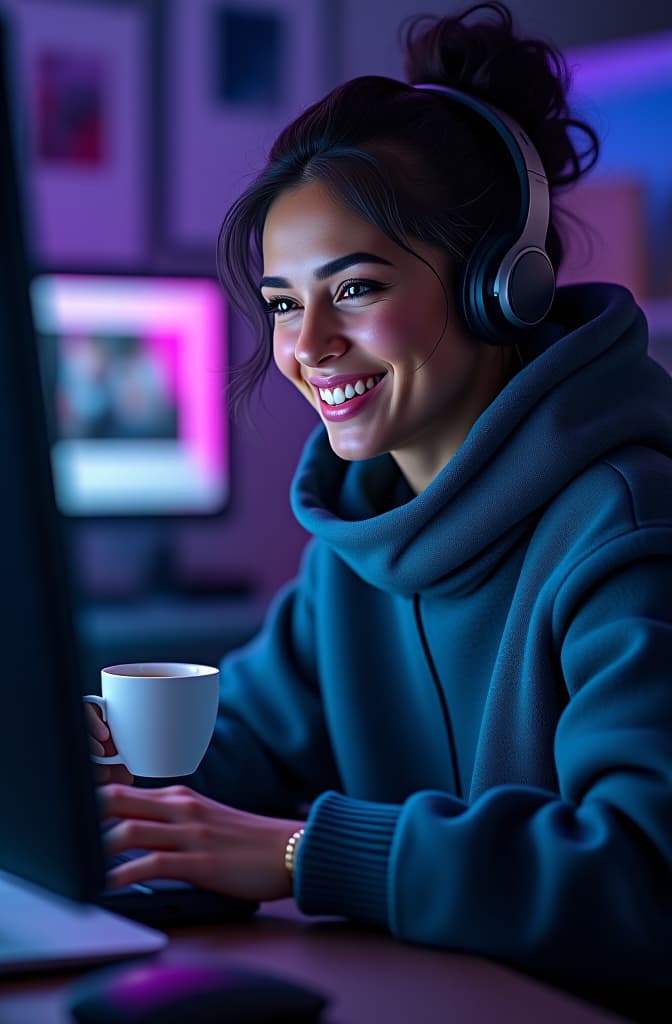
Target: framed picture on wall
x=233 y=74
x=84 y=100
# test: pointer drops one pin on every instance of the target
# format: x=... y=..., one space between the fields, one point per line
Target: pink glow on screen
x=164 y=347
x=164 y=309
x=202 y=384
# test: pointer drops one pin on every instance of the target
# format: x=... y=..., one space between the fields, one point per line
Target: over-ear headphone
x=508 y=281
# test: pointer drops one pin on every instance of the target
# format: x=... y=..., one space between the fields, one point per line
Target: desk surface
x=367 y=975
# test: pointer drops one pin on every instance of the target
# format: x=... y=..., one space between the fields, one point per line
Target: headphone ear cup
x=526 y=286
x=525 y=295
x=480 y=308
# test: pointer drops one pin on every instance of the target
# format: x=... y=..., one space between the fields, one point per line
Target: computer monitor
x=49 y=826
x=44 y=801
x=134 y=370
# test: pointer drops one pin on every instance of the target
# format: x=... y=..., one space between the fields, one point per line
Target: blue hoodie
x=472 y=687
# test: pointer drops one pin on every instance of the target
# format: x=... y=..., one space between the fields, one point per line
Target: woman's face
x=365 y=332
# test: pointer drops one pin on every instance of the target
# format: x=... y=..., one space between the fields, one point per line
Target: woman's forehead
x=309 y=222
x=312 y=201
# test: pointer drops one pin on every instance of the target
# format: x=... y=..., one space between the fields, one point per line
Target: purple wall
x=162 y=115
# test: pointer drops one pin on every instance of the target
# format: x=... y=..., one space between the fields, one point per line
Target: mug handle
x=100 y=702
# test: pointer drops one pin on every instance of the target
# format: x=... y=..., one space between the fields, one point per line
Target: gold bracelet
x=290 y=850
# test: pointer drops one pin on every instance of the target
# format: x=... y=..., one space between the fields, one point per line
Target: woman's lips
x=344 y=397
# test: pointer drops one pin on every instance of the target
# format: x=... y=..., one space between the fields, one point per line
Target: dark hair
x=408 y=162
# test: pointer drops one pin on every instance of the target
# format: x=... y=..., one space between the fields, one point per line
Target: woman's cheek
x=284 y=356
x=390 y=334
x=407 y=330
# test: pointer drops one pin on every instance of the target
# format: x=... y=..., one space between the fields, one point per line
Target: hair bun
x=478 y=52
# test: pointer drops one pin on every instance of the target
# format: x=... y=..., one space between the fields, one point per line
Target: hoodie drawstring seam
x=440 y=692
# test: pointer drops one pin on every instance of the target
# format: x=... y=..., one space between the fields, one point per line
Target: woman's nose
x=319 y=340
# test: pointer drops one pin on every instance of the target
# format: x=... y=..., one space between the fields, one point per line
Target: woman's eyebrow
x=332 y=267
x=343 y=262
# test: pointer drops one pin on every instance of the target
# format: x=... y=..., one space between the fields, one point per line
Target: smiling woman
x=369 y=334
x=467 y=684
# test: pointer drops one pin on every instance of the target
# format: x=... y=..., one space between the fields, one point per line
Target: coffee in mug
x=161 y=715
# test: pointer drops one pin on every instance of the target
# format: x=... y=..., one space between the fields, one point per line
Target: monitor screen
x=134 y=374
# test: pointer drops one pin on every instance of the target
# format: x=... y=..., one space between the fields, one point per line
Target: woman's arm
x=226 y=827
x=575 y=885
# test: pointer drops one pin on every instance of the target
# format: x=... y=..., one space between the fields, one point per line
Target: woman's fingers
x=101 y=744
x=95 y=724
x=183 y=867
x=138 y=834
x=98 y=732
x=194 y=839
x=171 y=803
x=173 y=851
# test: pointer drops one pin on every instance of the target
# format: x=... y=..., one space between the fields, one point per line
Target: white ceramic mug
x=161 y=715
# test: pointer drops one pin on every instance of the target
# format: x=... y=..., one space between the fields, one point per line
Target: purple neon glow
x=635 y=63
x=182 y=321
x=150 y=986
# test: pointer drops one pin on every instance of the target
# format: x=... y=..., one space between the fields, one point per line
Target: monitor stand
x=40 y=930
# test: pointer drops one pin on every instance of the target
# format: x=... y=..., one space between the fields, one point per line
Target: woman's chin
x=349 y=448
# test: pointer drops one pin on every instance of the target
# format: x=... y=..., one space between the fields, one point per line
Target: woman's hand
x=194 y=839
x=102 y=745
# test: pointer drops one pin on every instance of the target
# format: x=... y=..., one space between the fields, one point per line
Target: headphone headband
x=509 y=281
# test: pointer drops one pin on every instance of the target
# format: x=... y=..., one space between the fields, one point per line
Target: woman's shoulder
x=644 y=475
x=627 y=493
x=631 y=484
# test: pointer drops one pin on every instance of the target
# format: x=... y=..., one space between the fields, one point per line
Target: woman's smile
x=345 y=396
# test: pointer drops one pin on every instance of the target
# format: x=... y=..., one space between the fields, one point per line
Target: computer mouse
x=168 y=992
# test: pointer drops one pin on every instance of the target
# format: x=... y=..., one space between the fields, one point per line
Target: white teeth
x=339 y=395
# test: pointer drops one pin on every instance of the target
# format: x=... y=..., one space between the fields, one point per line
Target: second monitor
x=134 y=372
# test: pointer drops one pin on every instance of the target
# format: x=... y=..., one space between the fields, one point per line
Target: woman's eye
x=280 y=306
x=357 y=289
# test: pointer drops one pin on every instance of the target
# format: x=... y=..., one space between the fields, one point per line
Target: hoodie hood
x=589 y=388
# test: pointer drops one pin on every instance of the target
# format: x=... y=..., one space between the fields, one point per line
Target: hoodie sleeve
x=574 y=885
x=270 y=751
